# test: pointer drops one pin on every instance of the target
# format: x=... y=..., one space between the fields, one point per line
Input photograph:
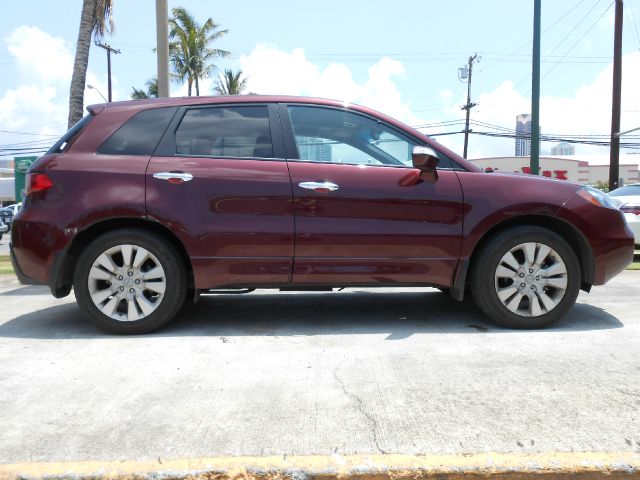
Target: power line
x=529 y=42
x=578 y=41
x=29 y=133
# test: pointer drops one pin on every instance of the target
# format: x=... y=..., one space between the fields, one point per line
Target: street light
x=619 y=134
x=91 y=87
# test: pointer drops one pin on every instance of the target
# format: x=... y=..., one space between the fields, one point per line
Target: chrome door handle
x=321 y=187
x=173 y=177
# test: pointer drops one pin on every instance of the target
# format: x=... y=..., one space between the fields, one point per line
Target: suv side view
x=143 y=205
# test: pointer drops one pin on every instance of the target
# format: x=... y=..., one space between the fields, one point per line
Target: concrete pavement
x=343 y=375
x=4 y=243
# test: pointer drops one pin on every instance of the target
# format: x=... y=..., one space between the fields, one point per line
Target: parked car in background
x=628 y=199
x=7 y=213
x=3 y=228
x=143 y=205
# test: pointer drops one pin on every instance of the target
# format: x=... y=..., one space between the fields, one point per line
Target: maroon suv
x=144 y=204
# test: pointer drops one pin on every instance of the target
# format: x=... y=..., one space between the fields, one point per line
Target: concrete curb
x=590 y=465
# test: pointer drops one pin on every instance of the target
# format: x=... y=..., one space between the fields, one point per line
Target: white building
x=563 y=148
x=582 y=169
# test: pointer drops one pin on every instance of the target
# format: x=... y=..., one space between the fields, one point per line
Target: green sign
x=20 y=167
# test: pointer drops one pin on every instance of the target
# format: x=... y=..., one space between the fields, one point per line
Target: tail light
x=38 y=182
x=635 y=209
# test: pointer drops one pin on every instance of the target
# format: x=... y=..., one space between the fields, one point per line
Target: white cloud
x=41 y=55
x=273 y=71
x=586 y=112
x=39 y=101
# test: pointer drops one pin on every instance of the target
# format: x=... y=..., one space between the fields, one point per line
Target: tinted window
x=338 y=136
x=225 y=132
x=626 y=191
x=140 y=135
x=68 y=138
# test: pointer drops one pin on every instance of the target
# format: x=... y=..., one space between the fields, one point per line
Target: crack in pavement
x=359 y=406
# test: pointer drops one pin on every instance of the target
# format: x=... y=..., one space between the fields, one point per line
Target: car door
x=363 y=214
x=219 y=181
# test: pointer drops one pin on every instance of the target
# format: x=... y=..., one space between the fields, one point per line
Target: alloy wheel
x=127 y=282
x=531 y=279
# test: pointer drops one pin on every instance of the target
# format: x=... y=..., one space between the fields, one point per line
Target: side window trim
x=167 y=146
x=292 y=149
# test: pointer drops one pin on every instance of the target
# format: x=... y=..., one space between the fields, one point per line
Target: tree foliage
x=230 y=83
x=191 y=53
x=150 y=92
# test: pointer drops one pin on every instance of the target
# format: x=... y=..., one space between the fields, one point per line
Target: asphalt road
x=355 y=372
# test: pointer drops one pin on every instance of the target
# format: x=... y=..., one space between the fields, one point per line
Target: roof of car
x=235 y=99
x=207 y=100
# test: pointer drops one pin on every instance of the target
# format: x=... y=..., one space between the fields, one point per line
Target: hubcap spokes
x=531 y=279
x=127 y=282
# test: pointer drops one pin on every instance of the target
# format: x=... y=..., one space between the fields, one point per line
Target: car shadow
x=399 y=315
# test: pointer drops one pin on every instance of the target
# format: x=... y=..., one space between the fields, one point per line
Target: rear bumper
x=24 y=279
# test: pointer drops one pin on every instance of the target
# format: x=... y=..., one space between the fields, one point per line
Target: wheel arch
x=65 y=264
x=567 y=231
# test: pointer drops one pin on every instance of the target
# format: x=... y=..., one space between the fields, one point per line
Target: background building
x=582 y=169
x=314 y=149
x=563 y=148
x=523 y=135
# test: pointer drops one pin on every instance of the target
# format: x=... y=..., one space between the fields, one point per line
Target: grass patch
x=635 y=265
x=5 y=265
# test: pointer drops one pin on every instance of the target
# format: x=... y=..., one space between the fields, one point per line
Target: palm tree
x=190 y=51
x=152 y=90
x=95 y=20
x=230 y=83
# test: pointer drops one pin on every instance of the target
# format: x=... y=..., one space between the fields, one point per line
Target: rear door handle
x=321 y=187
x=174 y=177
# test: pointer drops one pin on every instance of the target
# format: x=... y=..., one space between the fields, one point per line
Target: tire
x=134 y=300
x=517 y=293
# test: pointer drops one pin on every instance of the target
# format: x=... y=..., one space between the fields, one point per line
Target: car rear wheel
x=525 y=277
x=130 y=282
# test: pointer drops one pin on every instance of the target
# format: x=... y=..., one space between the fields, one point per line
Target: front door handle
x=174 y=177
x=320 y=187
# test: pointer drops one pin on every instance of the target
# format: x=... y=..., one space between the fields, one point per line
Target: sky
x=401 y=58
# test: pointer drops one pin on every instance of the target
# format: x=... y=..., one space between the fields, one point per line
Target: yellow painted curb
x=393 y=467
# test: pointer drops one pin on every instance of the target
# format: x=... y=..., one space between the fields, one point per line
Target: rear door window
x=229 y=131
x=140 y=134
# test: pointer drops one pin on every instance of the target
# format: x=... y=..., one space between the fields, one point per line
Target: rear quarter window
x=72 y=134
x=140 y=134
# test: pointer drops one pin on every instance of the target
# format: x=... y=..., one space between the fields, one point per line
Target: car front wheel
x=130 y=282
x=525 y=277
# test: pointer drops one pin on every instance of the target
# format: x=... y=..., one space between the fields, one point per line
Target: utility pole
x=534 y=159
x=466 y=72
x=162 y=52
x=109 y=51
x=614 y=153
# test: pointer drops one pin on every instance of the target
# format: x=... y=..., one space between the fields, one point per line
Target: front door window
x=336 y=136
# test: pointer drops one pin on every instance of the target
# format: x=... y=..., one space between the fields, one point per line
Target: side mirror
x=425 y=160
